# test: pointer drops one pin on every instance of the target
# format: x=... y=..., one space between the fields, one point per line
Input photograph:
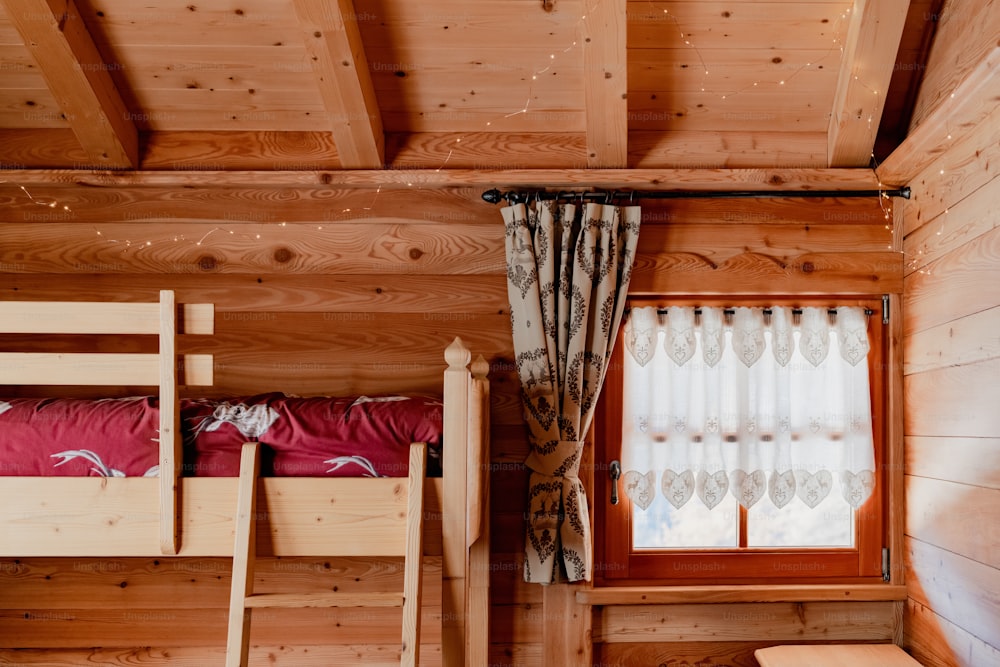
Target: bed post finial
x=457 y=355
x=480 y=367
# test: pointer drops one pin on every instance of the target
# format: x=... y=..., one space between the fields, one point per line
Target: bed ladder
x=243 y=601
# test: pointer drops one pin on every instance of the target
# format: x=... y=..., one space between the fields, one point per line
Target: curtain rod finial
x=492 y=196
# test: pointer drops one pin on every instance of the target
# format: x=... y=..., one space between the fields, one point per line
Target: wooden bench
x=834 y=655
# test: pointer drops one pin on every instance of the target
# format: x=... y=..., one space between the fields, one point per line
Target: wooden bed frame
x=192 y=516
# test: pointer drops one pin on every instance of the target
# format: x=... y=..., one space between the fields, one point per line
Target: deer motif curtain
x=567 y=277
x=759 y=403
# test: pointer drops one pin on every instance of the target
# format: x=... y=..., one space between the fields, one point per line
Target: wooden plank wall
x=326 y=290
x=952 y=362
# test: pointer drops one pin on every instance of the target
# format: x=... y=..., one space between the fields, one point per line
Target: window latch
x=616 y=473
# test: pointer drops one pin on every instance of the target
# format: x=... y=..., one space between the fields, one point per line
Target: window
x=748 y=442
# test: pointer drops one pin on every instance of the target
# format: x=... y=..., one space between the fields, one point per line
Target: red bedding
x=357 y=436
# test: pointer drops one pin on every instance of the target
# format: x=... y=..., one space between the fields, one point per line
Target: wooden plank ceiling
x=330 y=84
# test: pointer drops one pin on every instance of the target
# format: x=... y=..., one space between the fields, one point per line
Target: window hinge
x=885 y=309
x=885 y=563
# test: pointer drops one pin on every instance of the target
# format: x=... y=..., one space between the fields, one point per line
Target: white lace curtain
x=753 y=402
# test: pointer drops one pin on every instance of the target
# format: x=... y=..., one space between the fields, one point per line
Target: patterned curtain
x=567 y=278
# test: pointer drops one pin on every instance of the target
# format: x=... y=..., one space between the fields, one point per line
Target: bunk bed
x=162 y=512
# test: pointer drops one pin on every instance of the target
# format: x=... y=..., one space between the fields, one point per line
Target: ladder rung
x=325 y=599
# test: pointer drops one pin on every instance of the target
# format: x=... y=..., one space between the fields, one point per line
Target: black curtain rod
x=766 y=311
x=494 y=196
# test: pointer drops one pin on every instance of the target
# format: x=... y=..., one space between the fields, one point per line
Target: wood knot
x=207 y=263
x=808 y=267
x=283 y=255
x=416 y=253
x=775 y=180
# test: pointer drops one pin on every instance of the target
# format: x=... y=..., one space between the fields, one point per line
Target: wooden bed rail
x=166 y=369
x=465 y=517
x=478 y=519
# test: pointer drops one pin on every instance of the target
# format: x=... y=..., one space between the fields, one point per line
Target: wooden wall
x=328 y=290
x=952 y=362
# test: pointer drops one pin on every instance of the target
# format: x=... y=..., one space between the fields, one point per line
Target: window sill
x=750 y=593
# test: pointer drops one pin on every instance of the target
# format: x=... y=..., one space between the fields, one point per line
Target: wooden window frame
x=618 y=565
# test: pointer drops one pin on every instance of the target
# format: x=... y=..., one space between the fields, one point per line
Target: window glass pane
x=662 y=526
x=831 y=524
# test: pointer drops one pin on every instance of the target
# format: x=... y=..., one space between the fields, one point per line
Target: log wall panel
x=207 y=248
x=190 y=583
x=367 y=317
x=343 y=299
x=205 y=627
x=278 y=655
x=959 y=517
x=966 y=341
x=726 y=635
x=323 y=206
x=961 y=283
x=953 y=402
x=941 y=643
x=763 y=621
x=951 y=310
x=964 y=591
x=970 y=218
x=970 y=162
x=974 y=461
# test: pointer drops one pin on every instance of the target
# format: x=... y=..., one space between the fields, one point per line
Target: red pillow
x=357 y=436
x=70 y=437
x=215 y=430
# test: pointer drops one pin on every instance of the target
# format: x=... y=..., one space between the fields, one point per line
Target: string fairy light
x=39 y=202
x=918 y=257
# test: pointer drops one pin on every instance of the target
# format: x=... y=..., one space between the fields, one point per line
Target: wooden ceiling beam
x=968 y=105
x=78 y=78
x=605 y=82
x=763 y=180
x=333 y=42
x=873 y=35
